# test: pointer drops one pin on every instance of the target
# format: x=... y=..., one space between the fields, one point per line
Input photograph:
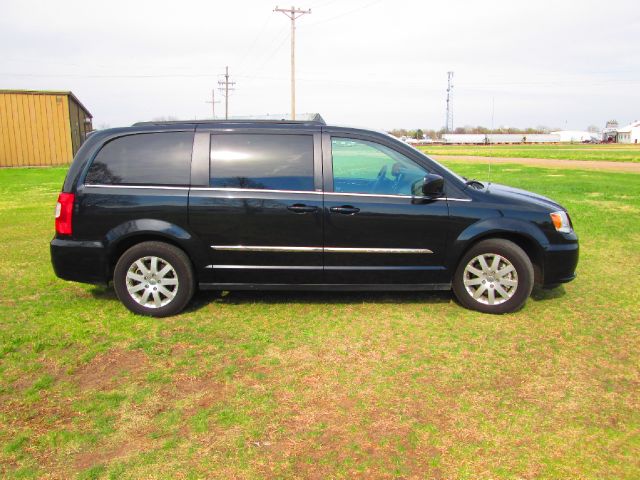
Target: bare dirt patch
x=105 y=369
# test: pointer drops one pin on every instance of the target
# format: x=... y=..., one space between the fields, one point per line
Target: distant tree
x=167 y=118
x=418 y=134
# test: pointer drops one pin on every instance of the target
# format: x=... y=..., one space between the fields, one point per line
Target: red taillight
x=64 y=213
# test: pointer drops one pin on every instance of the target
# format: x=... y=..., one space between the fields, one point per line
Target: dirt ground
x=550 y=163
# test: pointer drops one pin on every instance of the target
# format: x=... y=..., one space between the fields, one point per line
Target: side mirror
x=431 y=186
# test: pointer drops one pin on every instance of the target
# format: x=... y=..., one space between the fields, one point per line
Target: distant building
x=492 y=138
x=576 y=136
x=630 y=133
x=41 y=127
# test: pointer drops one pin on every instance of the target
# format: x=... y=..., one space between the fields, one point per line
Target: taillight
x=64 y=213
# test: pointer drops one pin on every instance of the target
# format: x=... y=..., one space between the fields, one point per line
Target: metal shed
x=41 y=127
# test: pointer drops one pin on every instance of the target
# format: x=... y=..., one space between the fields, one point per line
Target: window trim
x=327 y=164
x=109 y=140
x=316 y=156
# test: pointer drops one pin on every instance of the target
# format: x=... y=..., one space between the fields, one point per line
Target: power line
x=293 y=14
x=224 y=88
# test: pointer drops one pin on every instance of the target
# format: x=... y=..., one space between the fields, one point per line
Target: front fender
x=496 y=227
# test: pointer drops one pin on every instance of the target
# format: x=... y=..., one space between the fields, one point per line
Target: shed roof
x=50 y=92
x=628 y=128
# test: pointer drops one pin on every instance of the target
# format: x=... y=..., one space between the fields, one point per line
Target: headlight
x=561 y=221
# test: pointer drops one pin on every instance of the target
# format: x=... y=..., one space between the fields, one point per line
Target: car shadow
x=540 y=294
x=241 y=297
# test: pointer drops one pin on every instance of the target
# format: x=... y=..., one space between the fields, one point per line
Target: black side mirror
x=431 y=186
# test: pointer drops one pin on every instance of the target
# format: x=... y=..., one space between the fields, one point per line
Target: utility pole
x=449 y=124
x=213 y=102
x=293 y=13
x=224 y=87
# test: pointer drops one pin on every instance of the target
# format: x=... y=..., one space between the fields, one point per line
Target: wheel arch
x=125 y=236
x=524 y=234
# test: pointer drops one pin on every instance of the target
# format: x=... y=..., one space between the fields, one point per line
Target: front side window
x=144 y=159
x=360 y=166
x=262 y=161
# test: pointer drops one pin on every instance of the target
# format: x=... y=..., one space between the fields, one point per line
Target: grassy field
x=608 y=152
x=325 y=385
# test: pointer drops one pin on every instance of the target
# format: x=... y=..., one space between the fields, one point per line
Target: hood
x=518 y=195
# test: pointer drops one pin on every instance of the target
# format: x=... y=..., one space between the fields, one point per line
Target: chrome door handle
x=301 y=208
x=345 y=210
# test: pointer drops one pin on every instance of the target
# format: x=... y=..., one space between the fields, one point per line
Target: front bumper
x=79 y=261
x=560 y=262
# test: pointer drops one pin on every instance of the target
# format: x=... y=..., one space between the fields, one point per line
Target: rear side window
x=262 y=161
x=144 y=159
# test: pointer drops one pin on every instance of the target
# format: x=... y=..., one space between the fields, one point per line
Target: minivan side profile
x=161 y=209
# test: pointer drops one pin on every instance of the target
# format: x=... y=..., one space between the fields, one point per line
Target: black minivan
x=163 y=208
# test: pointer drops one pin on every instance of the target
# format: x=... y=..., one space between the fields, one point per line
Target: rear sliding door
x=261 y=212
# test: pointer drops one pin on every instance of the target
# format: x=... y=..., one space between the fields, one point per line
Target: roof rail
x=316 y=119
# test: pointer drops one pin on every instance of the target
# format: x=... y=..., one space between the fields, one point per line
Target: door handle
x=345 y=210
x=301 y=208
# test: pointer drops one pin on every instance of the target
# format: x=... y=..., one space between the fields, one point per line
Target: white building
x=630 y=133
x=576 y=135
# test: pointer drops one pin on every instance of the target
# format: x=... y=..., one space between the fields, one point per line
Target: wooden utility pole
x=224 y=87
x=213 y=102
x=293 y=13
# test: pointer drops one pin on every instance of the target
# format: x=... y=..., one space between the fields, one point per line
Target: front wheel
x=494 y=276
x=154 y=278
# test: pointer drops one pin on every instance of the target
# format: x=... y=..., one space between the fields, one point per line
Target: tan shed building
x=40 y=127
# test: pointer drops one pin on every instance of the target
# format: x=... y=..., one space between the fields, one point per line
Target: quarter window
x=144 y=159
x=360 y=166
x=262 y=161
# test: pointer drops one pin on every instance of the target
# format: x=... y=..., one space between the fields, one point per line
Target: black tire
x=516 y=283
x=178 y=281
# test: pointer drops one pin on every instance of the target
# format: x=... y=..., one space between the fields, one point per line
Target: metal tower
x=448 y=127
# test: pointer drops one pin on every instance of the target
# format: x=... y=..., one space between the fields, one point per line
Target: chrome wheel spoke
x=142 y=267
x=166 y=269
x=473 y=281
x=167 y=293
x=136 y=288
x=507 y=282
x=483 y=263
x=501 y=291
x=154 y=266
x=478 y=293
x=473 y=270
x=134 y=276
x=168 y=281
x=509 y=268
x=156 y=299
x=495 y=263
x=491 y=296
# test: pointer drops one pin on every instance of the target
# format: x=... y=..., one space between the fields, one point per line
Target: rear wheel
x=154 y=278
x=494 y=276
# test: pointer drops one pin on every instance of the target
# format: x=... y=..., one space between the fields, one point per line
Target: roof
x=317 y=120
x=50 y=92
x=628 y=128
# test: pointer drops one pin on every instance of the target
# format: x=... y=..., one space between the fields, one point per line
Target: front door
x=261 y=215
x=374 y=230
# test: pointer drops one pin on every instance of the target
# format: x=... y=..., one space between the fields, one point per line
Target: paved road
x=549 y=163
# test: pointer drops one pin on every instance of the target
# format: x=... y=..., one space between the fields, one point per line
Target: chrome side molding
x=291 y=249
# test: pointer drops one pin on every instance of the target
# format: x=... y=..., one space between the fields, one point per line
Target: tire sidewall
x=178 y=260
x=520 y=261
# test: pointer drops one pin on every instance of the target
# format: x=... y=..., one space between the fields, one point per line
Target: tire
x=155 y=279
x=486 y=286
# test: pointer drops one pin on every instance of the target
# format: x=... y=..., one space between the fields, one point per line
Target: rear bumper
x=560 y=263
x=79 y=261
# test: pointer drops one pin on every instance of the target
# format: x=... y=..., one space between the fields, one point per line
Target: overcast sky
x=375 y=63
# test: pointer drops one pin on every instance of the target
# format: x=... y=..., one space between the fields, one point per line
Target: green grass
x=608 y=152
x=324 y=385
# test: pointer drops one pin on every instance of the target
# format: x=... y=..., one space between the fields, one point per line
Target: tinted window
x=144 y=159
x=274 y=162
x=360 y=166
